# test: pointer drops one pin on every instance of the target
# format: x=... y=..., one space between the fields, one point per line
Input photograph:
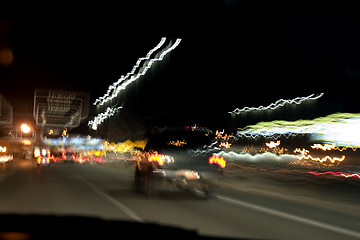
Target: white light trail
x=277 y=104
x=101 y=117
x=114 y=90
x=341 y=129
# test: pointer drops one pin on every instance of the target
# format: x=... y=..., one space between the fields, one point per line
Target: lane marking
x=116 y=203
x=289 y=216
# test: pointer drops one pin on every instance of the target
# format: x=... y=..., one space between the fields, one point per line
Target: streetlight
x=25 y=128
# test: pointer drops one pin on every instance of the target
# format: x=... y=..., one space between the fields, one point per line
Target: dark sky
x=232 y=54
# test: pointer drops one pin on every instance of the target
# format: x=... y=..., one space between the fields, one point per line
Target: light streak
x=340 y=128
x=324 y=159
x=277 y=104
x=327 y=147
x=101 y=117
x=339 y=174
x=114 y=90
x=126 y=146
x=350 y=175
x=115 y=84
x=273 y=144
x=259 y=157
x=177 y=143
x=219 y=135
x=305 y=155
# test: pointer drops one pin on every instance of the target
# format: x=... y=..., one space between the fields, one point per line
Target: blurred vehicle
x=5 y=157
x=181 y=158
x=44 y=158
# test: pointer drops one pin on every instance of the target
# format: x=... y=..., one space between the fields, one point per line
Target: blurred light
x=273 y=144
x=44 y=152
x=188 y=174
x=25 y=128
x=277 y=104
x=340 y=128
x=177 y=143
x=305 y=155
x=36 y=152
x=327 y=147
x=218 y=160
x=155 y=157
x=101 y=117
x=341 y=174
x=2 y=149
x=225 y=144
x=258 y=157
x=26 y=142
x=114 y=90
x=5 y=158
x=64 y=132
x=115 y=84
x=219 y=135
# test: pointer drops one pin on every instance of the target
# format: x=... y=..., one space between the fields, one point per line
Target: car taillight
x=155 y=157
x=218 y=160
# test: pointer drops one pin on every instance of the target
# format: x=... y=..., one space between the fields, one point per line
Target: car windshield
x=229 y=119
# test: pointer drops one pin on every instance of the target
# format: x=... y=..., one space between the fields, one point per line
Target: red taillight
x=155 y=157
x=218 y=160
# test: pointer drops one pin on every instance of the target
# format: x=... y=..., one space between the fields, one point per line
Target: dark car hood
x=77 y=227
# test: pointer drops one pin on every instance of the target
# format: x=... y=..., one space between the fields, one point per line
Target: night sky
x=232 y=54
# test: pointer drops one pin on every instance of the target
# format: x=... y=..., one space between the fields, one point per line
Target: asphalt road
x=244 y=205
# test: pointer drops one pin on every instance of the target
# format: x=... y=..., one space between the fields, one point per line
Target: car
x=44 y=158
x=183 y=158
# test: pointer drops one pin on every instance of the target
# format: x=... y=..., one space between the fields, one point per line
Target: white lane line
x=116 y=203
x=289 y=216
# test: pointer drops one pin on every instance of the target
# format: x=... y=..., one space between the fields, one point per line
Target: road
x=244 y=205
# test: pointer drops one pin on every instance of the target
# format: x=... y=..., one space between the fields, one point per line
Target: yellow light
x=64 y=132
x=25 y=128
x=305 y=155
x=26 y=142
x=2 y=149
x=155 y=157
x=218 y=160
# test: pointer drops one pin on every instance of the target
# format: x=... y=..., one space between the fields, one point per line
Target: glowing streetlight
x=25 y=128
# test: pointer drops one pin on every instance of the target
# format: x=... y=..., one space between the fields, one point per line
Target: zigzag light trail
x=123 y=82
x=101 y=117
x=277 y=104
x=122 y=78
x=339 y=128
